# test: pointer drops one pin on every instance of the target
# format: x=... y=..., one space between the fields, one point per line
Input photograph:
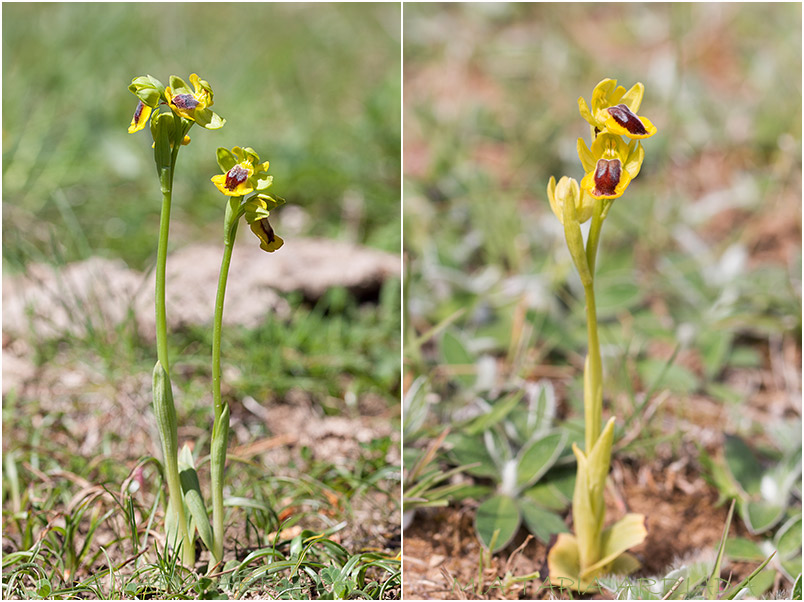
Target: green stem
x=166 y=182
x=220 y=428
x=170 y=428
x=594 y=236
x=593 y=374
x=593 y=368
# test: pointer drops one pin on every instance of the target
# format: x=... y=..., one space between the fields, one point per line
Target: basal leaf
x=499 y=512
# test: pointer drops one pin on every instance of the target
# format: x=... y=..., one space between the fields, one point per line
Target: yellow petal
x=141 y=115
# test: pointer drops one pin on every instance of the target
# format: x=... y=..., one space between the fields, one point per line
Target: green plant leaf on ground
x=554 y=491
x=498 y=412
x=542 y=523
x=788 y=538
x=743 y=464
x=193 y=498
x=468 y=451
x=537 y=458
x=796 y=591
x=498 y=513
x=460 y=362
x=761 y=515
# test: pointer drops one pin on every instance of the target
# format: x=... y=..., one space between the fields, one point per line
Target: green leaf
x=743 y=464
x=471 y=450
x=192 y=496
x=792 y=567
x=713 y=582
x=796 y=592
x=499 y=512
x=500 y=409
x=787 y=540
x=542 y=523
x=742 y=549
x=745 y=357
x=762 y=582
x=44 y=588
x=546 y=495
x=714 y=346
x=461 y=362
x=537 y=458
x=471 y=492
x=725 y=393
x=563 y=562
x=761 y=515
x=626 y=533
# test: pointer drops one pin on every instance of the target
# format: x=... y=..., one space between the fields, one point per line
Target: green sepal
x=251 y=155
x=264 y=184
x=208 y=119
x=163 y=128
x=178 y=85
x=191 y=488
x=226 y=159
x=255 y=210
x=148 y=89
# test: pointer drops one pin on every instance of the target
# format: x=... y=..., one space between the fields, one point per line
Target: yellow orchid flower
x=610 y=165
x=615 y=111
x=243 y=172
x=193 y=104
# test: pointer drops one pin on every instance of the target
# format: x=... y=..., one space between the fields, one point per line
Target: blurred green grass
x=315 y=89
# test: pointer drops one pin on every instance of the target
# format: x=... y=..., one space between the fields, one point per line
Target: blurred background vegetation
x=699 y=273
x=315 y=90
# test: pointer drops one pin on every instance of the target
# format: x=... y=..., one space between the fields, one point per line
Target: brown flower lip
x=185 y=101
x=235 y=176
x=626 y=118
x=607 y=176
x=269 y=231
